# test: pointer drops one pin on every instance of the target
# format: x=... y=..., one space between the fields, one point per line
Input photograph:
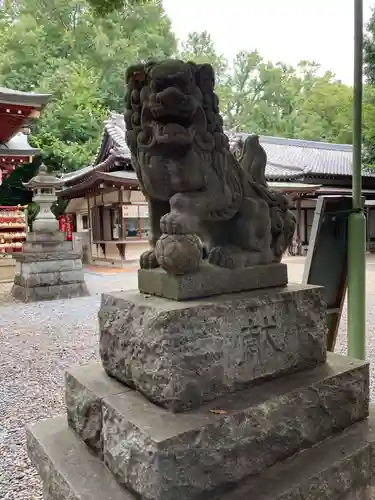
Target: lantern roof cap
x=44 y=179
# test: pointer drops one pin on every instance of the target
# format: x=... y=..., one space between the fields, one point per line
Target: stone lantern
x=48 y=267
x=44 y=187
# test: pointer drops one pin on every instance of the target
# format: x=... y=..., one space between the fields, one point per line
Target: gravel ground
x=38 y=341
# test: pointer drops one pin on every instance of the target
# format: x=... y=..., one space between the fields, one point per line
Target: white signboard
x=143 y=211
x=130 y=211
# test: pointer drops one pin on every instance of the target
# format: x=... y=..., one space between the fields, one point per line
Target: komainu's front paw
x=148 y=260
x=175 y=223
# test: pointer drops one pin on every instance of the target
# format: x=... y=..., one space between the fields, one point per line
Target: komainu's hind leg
x=233 y=257
x=157 y=209
x=251 y=234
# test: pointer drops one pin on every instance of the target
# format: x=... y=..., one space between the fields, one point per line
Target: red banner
x=69 y=227
x=62 y=223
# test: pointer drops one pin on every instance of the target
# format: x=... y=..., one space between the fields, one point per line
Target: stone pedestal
x=211 y=280
x=224 y=398
x=48 y=269
x=7 y=269
x=181 y=354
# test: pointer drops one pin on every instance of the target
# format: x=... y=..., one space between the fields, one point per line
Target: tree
x=200 y=48
x=59 y=46
x=104 y=7
x=277 y=99
x=369 y=50
x=69 y=128
x=369 y=95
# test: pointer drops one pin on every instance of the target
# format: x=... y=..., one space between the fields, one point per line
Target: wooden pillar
x=89 y=220
x=139 y=225
x=298 y=232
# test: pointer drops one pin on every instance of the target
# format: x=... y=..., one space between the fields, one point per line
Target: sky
x=282 y=30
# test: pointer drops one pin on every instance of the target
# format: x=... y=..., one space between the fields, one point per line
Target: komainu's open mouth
x=165 y=118
x=173 y=134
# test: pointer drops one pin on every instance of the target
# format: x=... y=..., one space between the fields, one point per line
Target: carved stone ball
x=179 y=253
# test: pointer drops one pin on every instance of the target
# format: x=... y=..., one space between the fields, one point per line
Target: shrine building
x=110 y=214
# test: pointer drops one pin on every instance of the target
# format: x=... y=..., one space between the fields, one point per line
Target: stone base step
x=56 y=278
x=340 y=468
x=67 y=467
x=53 y=292
x=211 y=280
x=47 y=246
x=223 y=442
x=47 y=256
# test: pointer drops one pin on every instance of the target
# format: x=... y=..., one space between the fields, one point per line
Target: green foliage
x=61 y=47
x=32 y=211
x=58 y=208
x=274 y=98
x=64 y=48
x=200 y=48
x=104 y=7
x=12 y=190
x=369 y=50
x=369 y=95
x=71 y=124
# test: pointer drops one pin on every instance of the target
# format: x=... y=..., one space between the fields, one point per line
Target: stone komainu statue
x=198 y=192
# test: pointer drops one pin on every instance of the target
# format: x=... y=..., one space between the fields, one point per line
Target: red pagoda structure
x=16 y=110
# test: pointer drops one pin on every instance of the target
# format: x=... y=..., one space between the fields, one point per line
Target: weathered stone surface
x=85 y=387
x=46 y=236
x=48 y=269
x=47 y=246
x=329 y=471
x=46 y=256
x=68 y=469
x=49 y=279
x=337 y=469
x=49 y=266
x=180 y=354
x=187 y=455
x=366 y=492
x=66 y=291
x=211 y=280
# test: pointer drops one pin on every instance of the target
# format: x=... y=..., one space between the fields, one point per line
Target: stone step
x=44 y=236
x=340 y=468
x=85 y=388
x=67 y=467
x=54 y=292
x=337 y=469
x=49 y=278
x=39 y=257
x=47 y=246
x=188 y=454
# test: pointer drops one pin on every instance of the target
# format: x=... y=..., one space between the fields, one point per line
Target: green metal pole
x=357 y=220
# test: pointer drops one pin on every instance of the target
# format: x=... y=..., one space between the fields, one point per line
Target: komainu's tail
x=253 y=160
